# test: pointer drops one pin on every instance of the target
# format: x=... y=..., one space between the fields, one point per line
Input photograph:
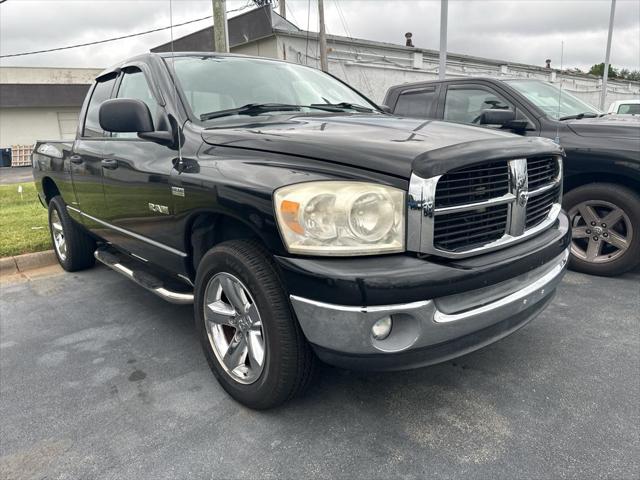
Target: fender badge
x=154 y=207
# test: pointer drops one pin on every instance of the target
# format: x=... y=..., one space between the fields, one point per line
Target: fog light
x=382 y=328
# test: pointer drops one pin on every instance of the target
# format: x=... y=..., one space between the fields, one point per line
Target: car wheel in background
x=605 y=224
x=251 y=340
x=73 y=246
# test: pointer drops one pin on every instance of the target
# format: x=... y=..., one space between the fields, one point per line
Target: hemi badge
x=177 y=191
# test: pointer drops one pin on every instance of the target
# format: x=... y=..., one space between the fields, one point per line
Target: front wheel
x=251 y=340
x=605 y=225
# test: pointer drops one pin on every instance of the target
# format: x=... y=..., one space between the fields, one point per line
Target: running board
x=144 y=279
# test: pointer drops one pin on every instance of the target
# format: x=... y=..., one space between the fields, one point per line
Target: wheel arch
x=49 y=189
x=206 y=229
x=574 y=181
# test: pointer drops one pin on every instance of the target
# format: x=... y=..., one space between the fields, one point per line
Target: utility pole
x=220 y=34
x=324 y=65
x=283 y=9
x=442 y=70
x=605 y=74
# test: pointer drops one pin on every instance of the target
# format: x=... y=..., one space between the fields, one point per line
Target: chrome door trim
x=131 y=234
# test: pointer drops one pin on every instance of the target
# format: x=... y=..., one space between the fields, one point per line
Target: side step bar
x=142 y=278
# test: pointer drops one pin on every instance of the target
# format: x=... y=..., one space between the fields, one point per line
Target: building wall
x=27 y=123
x=266 y=47
x=373 y=67
x=48 y=75
x=24 y=126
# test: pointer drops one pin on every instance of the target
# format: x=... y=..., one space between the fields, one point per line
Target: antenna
x=175 y=86
x=557 y=139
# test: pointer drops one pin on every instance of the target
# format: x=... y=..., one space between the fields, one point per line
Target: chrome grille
x=469 y=228
x=538 y=207
x=472 y=184
x=541 y=171
x=483 y=207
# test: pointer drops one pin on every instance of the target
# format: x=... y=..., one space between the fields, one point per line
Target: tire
x=72 y=245
x=246 y=270
x=598 y=248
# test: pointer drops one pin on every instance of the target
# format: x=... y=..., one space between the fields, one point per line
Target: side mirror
x=505 y=118
x=519 y=125
x=125 y=115
x=497 y=117
x=385 y=108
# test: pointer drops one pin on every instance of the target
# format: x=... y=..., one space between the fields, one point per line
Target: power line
x=105 y=40
x=97 y=42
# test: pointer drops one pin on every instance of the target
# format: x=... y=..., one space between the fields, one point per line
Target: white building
x=41 y=103
x=373 y=67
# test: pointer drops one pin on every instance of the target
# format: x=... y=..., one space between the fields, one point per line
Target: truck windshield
x=555 y=103
x=220 y=86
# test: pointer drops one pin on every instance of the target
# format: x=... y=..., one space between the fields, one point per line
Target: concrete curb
x=26 y=262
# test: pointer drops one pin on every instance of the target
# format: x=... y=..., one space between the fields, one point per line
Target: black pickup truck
x=601 y=168
x=301 y=220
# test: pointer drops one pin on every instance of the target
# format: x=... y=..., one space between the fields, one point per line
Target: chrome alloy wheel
x=234 y=328
x=58 y=235
x=601 y=231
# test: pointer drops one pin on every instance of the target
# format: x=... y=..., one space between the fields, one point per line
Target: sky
x=524 y=31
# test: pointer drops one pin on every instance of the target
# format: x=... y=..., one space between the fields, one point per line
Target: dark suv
x=601 y=168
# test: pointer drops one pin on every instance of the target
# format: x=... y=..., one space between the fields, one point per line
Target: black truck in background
x=601 y=168
x=301 y=220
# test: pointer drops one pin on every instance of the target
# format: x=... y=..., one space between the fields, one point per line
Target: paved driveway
x=9 y=175
x=100 y=379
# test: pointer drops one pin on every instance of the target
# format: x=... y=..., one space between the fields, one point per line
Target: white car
x=625 y=107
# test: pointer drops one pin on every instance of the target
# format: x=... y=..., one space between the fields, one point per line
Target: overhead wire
x=106 y=40
x=354 y=48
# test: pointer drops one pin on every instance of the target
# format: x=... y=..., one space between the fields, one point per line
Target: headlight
x=341 y=218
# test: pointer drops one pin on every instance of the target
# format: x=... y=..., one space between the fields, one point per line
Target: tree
x=598 y=70
x=634 y=75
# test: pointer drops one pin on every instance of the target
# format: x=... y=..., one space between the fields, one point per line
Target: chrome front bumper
x=430 y=323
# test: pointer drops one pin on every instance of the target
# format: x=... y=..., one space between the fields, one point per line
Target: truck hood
x=380 y=143
x=606 y=126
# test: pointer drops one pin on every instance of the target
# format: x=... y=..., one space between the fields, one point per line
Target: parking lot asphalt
x=10 y=175
x=101 y=379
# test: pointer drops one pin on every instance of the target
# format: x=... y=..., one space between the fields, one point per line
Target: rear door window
x=417 y=103
x=101 y=92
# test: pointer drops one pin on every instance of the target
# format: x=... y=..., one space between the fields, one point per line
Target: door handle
x=76 y=159
x=109 y=163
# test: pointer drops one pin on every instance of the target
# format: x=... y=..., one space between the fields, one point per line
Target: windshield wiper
x=257 y=108
x=251 y=109
x=343 y=106
x=580 y=116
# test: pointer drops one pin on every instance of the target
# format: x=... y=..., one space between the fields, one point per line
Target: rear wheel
x=251 y=340
x=72 y=245
x=605 y=224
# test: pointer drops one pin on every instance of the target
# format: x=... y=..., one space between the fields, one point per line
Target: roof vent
x=408 y=36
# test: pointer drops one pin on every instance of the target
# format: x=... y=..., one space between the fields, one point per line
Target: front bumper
x=429 y=331
x=450 y=319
